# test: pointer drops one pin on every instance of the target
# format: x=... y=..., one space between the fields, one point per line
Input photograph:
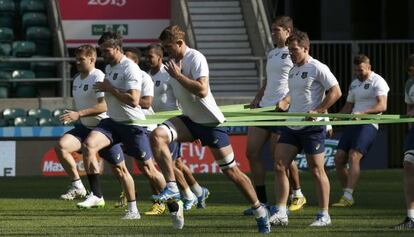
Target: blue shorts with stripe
x=358 y=137
x=133 y=137
x=214 y=137
x=113 y=153
x=310 y=139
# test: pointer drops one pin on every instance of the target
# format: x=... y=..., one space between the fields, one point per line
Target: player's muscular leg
x=225 y=156
x=93 y=143
x=284 y=154
x=256 y=138
x=121 y=172
x=316 y=166
x=66 y=145
x=340 y=166
x=161 y=137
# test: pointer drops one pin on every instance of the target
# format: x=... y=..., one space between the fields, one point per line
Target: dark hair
x=135 y=51
x=110 y=38
x=157 y=48
x=285 y=22
x=87 y=50
x=410 y=61
x=300 y=37
x=361 y=58
x=172 y=33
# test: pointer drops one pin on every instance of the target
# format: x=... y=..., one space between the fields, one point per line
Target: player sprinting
x=189 y=73
x=165 y=100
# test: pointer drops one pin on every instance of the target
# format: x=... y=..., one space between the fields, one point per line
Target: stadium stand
x=25 y=32
x=7 y=13
x=24 y=89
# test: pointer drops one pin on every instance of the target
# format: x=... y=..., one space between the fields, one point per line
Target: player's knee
x=164 y=133
x=227 y=162
x=409 y=158
x=279 y=166
x=89 y=145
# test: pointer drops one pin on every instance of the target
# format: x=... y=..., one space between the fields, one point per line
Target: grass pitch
x=29 y=206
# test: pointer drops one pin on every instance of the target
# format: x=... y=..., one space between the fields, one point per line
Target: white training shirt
x=307 y=86
x=277 y=70
x=125 y=76
x=85 y=96
x=409 y=91
x=147 y=90
x=200 y=110
x=164 y=98
x=363 y=94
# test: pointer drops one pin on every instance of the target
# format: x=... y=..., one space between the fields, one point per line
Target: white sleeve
x=100 y=76
x=325 y=77
x=381 y=88
x=351 y=97
x=133 y=77
x=147 y=85
x=199 y=67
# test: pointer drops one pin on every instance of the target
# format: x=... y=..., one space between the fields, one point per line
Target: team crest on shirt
x=157 y=83
x=366 y=86
x=284 y=56
x=115 y=76
x=85 y=87
x=304 y=75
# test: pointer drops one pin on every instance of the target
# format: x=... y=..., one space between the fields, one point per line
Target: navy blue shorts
x=272 y=129
x=358 y=137
x=409 y=140
x=113 y=153
x=133 y=137
x=214 y=137
x=175 y=148
x=310 y=139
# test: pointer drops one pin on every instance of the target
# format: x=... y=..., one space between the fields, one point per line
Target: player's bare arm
x=71 y=115
x=258 y=97
x=198 y=87
x=130 y=97
x=283 y=104
x=145 y=102
x=379 y=107
x=333 y=94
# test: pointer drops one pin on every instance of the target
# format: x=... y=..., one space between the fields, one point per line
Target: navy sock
x=261 y=193
x=95 y=185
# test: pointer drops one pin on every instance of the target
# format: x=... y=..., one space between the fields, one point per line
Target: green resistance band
x=241 y=115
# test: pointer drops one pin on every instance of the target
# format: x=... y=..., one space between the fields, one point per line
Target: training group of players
x=109 y=107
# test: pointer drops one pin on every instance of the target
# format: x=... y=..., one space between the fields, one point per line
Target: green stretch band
x=241 y=115
x=315 y=123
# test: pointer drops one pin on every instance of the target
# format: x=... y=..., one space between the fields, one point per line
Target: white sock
x=323 y=212
x=259 y=212
x=132 y=206
x=77 y=184
x=282 y=210
x=410 y=213
x=297 y=192
x=348 y=193
x=197 y=189
x=172 y=185
x=187 y=194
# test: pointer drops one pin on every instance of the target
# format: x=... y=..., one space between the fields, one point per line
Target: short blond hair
x=172 y=33
x=87 y=50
